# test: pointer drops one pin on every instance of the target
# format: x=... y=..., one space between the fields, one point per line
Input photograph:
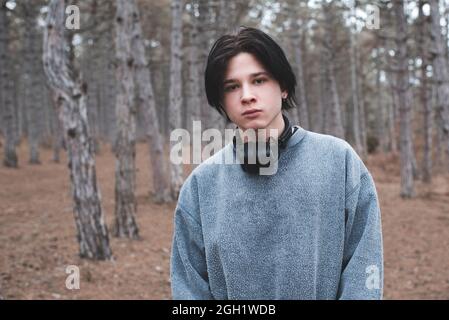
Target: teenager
x=309 y=230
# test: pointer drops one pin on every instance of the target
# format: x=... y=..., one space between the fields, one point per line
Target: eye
x=230 y=88
x=260 y=80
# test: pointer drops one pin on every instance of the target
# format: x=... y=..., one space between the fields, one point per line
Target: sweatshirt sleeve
x=362 y=270
x=188 y=271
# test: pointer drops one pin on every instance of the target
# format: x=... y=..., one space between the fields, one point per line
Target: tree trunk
x=322 y=105
x=176 y=90
x=223 y=14
x=335 y=121
x=125 y=144
x=407 y=188
x=195 y=74
x=205 y=35
x=31 y=85
x=439 y=154
x=441 y=71
x=107 y=86
x=380 y=106
x=297 y=34
x=361 y=101
x=92 y=63
x=58 y=134
x=355 y=94
x=92 y=232
x=391 y=117
x=9 y=116
x=148 y=105
x=426 y=99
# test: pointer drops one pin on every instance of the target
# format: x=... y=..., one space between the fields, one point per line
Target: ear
x=284 y=94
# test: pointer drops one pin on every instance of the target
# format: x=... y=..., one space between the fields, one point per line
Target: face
x=252 y=98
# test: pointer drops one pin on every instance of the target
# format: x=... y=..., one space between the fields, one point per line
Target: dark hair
x=265 y=50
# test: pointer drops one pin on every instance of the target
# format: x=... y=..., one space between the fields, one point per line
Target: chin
x=254 y=124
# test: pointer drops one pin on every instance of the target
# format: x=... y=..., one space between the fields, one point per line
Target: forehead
x=243 y=65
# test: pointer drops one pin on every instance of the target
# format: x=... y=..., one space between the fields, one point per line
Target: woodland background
x=86 y=116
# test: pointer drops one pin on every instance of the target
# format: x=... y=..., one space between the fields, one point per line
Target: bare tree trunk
x=297 y=34
x=147 y=102
x=195 y=74
x=336 y=124
x=392 y=120
x=407 y=188
x=362 y=112
x=125 y=144
x=439 y=154
x=441 y=71
x=426 y=99
x=382 y=136
x=65 y=79
x=58 y=134
x=320 y=122
x=46 y=122
x=31 y=83
x=223 y=15
x=104 y=45
x=355 y=94
x=92 y=64
x=205 y=34
x=176 y=90
x=9 y=119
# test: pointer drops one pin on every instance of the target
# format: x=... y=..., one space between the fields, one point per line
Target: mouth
x=251 y=113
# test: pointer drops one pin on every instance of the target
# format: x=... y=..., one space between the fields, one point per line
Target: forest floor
x=37 y=234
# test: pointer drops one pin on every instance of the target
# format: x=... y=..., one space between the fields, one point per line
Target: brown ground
x=37 y=235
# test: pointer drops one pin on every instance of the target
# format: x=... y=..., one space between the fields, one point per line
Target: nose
x=248 y=96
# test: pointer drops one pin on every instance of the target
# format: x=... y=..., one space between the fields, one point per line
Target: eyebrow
x=252 y=75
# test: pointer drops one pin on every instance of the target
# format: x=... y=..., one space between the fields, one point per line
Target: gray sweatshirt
x=310 y=231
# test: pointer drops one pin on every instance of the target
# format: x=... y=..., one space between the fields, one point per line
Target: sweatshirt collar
x=296 y=137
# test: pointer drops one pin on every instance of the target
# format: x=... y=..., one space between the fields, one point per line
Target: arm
x=362 y=270
x=189 y=279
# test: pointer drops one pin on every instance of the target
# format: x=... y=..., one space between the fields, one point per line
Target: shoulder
x=331 y=148
x=340 y=153
x=328 y=143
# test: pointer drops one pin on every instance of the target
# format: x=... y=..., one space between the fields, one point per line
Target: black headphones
x=249 y=148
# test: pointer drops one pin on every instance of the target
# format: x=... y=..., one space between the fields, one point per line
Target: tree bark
x=407 y=187
x=175 y=103
x=297 y=34
x=195 y=75
x=335 y=121
x=92 y=232
x=58 y=134
x=125 y=144
x=425 y=95
x=9 y=116
x=441 y=71
x=391 y=117
x=361 y=101
x=31 y=85
x=381 y=135
x=355 y=93
x=148 y=105
x=92 y=62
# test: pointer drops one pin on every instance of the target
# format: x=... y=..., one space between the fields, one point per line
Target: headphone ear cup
x=244 y=151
